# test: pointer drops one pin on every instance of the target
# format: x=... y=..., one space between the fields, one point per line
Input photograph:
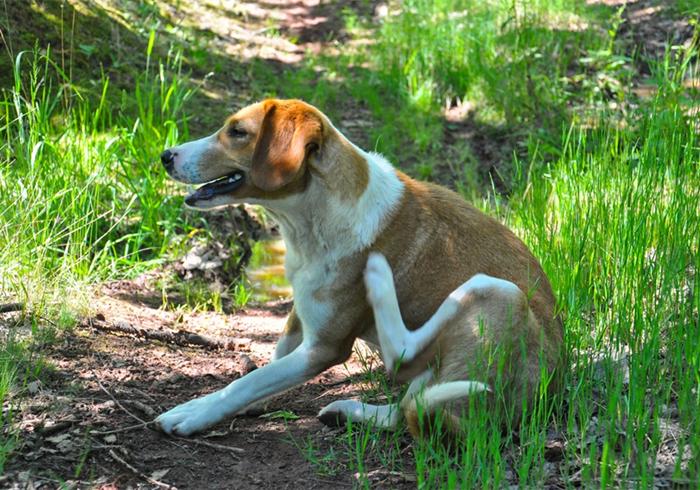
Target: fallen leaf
x=59 y=438
x=158 y=474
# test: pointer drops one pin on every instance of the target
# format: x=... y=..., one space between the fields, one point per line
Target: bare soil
x=80 y=424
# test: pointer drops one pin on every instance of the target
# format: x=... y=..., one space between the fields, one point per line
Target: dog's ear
x=287 y=135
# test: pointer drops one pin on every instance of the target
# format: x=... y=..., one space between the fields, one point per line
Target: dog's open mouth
x=224 y=185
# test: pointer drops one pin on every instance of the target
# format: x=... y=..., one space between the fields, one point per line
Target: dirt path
x=72 y=424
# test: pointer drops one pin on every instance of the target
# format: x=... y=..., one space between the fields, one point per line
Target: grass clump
x=82 y=197
x=456 y=87
x=621 y=246
x=81 y=193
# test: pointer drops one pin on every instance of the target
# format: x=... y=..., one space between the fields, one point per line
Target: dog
x=410 y=267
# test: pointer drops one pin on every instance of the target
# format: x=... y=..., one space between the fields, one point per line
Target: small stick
x=143 y=393
x=122 y=429
x=338 y=383
x=48 y=430
x=150 y=480
x=143 y=407
x=143 y=422
x=180 y=337
x=325 y=393
x=146 y=425
x=213 y=445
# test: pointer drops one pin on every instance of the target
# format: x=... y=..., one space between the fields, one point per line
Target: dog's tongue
x=224 y=185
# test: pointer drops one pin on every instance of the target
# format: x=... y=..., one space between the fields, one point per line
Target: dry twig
x=212 y=445
x=122 y=429
x=180 y=337
x=10 y=307
x=143 y=422
x=150 y=480
x=148 y=425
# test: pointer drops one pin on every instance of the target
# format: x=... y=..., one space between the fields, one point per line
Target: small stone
x=34 y=387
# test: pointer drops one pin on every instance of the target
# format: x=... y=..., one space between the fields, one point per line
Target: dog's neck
x=323 y=223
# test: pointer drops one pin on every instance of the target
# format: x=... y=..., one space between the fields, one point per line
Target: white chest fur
x=321 y=229
x=308 y=277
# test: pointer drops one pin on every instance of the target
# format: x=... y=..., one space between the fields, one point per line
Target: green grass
x=604 y=188
x=615 y=223
x=7 y=376
x=522 y=69
x=609 y=202
x=82 y=197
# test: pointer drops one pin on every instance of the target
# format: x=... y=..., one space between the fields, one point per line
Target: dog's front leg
x=291 y=338
x=305 y=362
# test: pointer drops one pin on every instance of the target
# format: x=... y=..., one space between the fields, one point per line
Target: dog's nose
x=167 y=158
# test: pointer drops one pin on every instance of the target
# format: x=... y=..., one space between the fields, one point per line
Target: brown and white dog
x=463 y=286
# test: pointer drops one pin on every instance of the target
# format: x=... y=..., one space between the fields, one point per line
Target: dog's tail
x=423 y=409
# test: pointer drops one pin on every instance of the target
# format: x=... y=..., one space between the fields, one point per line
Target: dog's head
x=262 y=153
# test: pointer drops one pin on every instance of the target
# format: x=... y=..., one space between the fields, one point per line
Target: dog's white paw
x=379 y=279
x=334 y=414
x=193 y=416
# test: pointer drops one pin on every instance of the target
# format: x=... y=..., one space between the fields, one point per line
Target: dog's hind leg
x=382 y=416
x=340 y=411
x=433 y=399
x=398 y=344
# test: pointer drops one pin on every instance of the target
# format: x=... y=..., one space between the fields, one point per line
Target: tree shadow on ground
x=87 y=409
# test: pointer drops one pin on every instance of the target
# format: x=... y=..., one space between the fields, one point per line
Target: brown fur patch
x=277 y=154
x=344 y=170
x=435 y=241
x=288 y=133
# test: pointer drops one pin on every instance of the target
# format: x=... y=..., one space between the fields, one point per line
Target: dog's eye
x=235 y=132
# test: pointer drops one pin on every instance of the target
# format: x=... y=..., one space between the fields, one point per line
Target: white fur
x=483 y=281
x=398 y=344
x=382 y=195
x=186 y=157
x=384 y=416
x=320 y=230
x=255 y=387
x=440 y=394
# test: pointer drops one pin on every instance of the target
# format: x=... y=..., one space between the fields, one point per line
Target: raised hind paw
x=379 y=280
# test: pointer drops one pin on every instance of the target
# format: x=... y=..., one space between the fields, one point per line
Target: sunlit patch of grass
x=614 y=220
x=82 y=197
x=618 y=233
x=526 y=67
